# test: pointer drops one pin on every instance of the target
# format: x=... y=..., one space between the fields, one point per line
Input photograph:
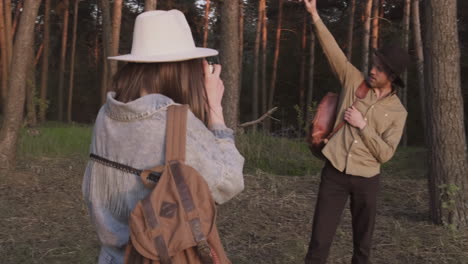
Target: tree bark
x=229 y=56
x=9 y=39
x=107 y=47
x=310 y=89
x=18 y=8
x=16 y=96
x=276 y=56
x=31 y=119
x=418 y=46
x=255 y=69
x=405 y=44
x=366 y=37
x=63 y=53
x=241 y=42
x=150 y=5
x=72 y=63
x=264 y=58
x=447 y=159
x=207 y=23
x=116 y=23
x=45 y=63
x=4 y=54
x=375 y=24
x=349 y=46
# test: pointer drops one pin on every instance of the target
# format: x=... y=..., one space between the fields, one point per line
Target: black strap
x=152 y=176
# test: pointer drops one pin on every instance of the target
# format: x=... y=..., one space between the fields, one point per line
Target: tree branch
x=267 y=114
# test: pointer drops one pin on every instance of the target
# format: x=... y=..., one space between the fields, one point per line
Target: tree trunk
x=255 y=69
x=9 y=39
x=310 y=89
x=366 y=37
x=276 y=57
x=72 y=63
x=18 y=8
x=45 y=63
x=207 y=23
x=241 y=42
x=38 y=54
x=375 y=24
x=116 y=23
x=264 y=58
x=349 y=46
x=418 y=46
x=302 y=88
x=447 y=159
x=31 y=119
x=4 y=54
x=63 y=56
x=107 y=47
x=405 y=44
x=229 y=56
x=150 y=5
x=16 y=96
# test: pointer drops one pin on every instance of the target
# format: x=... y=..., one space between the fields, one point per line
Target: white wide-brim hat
x=163 y=36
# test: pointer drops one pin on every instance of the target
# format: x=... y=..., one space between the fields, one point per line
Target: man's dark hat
x=395 y=59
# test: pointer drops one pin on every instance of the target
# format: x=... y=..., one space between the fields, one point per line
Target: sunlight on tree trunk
x=366 y=37
x=107 y=47
x=349 y=45
x=276 y=56
x=72 y=63
x=255 y=66
x=207 y=23
x=375 y=24
x=264 y=59
x=63 y=56
x=14 y=109
x=116 y=24
x=150 y=5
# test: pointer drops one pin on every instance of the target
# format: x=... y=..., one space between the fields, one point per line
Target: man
x=373 y=129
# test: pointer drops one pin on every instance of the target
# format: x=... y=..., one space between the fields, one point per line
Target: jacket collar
x=138 y=109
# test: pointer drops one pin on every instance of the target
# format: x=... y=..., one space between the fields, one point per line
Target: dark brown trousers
x=335 y=187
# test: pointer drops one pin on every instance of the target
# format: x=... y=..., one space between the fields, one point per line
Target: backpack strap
x=176 y=132
x=361 y=93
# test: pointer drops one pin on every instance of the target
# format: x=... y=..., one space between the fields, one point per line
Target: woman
x=164 y=68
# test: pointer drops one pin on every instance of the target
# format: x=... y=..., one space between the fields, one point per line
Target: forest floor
x=43 y=218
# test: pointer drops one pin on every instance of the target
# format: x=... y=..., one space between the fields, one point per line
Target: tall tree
x=63 y=53
x=229 y=56
x=302 y=88
x=276 y=56
x=418 y=46
x=255 y=69
x=45 y=62
x=241 y=41
x=264 y=58
x=207 y=23
x=405 y=44
x=150 y=5
x=9 y=39
x=4 y=54
x=448 y=164
x=16 y=95
x=310 y=88
x=31 y=118
x=107 y=47
x=18 y=8
x=349 y=41
x=366 y=36
x=116 y=23
x=72 y=62
x=375 y=24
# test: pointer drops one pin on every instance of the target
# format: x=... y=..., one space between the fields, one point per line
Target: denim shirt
x=134 y=134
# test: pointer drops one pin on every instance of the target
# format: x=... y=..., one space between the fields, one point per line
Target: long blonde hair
x=181 y=81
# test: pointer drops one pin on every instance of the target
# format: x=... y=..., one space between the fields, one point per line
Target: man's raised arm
x=347 y=74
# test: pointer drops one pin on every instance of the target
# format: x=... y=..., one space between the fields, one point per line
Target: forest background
x=271 y=64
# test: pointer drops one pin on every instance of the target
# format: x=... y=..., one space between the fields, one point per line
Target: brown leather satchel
x=321 y=128
x=175 y=223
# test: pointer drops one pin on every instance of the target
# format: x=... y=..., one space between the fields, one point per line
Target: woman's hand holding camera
x=214 y=91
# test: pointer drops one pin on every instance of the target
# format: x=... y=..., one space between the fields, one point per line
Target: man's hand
x=354 y=118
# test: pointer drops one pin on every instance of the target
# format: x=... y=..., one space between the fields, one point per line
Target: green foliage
x=55 y=140
x=275 y=155
x=447 y=194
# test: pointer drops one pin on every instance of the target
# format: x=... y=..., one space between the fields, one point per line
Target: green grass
x=281 y=156
x=55 y=140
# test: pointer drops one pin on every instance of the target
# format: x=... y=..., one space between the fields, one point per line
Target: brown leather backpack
x=175 y=223
x=321 y=128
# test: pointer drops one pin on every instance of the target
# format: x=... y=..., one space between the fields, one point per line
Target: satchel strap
x=360 y=93
x=153 y=223
x=186 y=197
x=176 y=132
